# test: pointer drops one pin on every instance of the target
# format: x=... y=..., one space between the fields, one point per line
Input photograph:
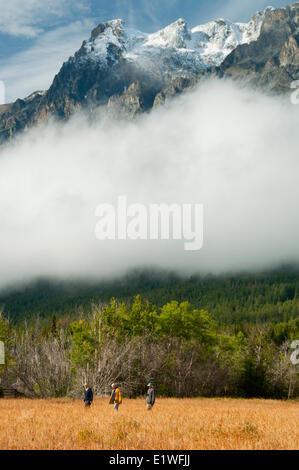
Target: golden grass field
x=173 y=424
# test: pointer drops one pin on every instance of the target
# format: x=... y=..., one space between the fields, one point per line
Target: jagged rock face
x=272 y=61
x=17 y=116
x=129 y=72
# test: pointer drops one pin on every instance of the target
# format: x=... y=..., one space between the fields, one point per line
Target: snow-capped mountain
x=175 y=51
x=128 y=72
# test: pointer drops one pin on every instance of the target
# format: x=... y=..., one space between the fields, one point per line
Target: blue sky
x=38 y=35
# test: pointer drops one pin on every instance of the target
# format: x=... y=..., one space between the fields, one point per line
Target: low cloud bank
x=233 y=150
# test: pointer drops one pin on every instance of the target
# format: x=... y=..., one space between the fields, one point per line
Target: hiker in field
x=88 y=396
x=150 y=396
x=115 y=397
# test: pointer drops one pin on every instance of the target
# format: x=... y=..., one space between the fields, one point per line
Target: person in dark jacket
x=150 y=396
x=88 y=396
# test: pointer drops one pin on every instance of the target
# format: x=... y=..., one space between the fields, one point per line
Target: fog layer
x=233 y=150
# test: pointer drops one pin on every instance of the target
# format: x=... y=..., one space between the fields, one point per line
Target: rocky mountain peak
x=271 y=62
x=175 y=35
x=115 y=27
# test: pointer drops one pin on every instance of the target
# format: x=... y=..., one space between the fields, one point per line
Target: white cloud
x=27 y=18
x=233 y=150
x=35 y=68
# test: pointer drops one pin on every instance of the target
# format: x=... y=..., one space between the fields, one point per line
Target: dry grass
x=172 y=424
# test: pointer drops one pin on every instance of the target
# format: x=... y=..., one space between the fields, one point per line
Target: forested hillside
x=272 y=296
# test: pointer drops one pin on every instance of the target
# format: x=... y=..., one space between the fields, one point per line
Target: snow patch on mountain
x=216 y=39
x=35 y=94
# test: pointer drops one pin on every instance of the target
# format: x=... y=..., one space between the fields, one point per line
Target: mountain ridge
x=130 y=72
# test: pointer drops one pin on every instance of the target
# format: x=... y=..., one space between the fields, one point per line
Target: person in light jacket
x=150 y=396
x=88 y=396
x=115 y=397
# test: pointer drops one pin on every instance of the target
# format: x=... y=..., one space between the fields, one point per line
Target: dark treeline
x=182 y=349
x=251 y=298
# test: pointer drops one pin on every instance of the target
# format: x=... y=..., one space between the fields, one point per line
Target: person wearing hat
x=115 y=397
x=150 y=396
